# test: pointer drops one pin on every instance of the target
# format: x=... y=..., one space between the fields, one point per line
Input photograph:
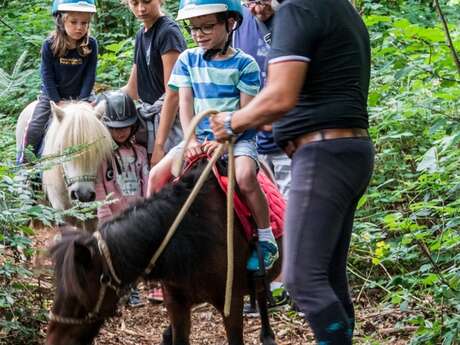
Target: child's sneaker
x=270 y=255
x=134 y=299
x=155 y=295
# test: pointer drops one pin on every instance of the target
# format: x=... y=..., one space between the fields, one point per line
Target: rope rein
x=105 y=279
x=176 y=170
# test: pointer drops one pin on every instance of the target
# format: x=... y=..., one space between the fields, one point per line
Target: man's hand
x=217 y=125
x=157 y=154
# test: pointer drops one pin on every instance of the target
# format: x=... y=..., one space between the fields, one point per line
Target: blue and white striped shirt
x=216 y=84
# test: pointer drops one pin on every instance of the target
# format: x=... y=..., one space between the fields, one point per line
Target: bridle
x=71 y=180
x=84 y=178
x=107 y=279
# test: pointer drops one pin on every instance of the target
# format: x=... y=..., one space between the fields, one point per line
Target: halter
x=83 y=178
x=71 y=180
x=106 y=282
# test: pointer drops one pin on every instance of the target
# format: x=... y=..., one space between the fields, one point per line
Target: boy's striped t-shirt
x=216 y=84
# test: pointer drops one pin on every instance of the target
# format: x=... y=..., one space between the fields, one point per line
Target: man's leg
x=282 y=171
x=327 y=177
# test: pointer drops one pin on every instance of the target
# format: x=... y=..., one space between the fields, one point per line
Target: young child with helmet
x=216 y=76
x=68 y=66
x=125 y=175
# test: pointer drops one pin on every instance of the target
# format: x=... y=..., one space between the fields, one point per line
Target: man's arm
x=131 y=86
x=169 y=108
x=285 y=80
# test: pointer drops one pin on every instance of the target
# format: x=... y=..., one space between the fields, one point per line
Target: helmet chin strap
x=210 y=53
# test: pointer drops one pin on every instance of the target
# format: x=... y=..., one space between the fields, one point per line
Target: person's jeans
x=328 y=179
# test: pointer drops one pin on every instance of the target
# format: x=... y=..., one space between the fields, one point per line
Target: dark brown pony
x=192 y=268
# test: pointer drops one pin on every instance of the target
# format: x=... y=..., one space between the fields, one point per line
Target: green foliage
x=408 y=230
x=407 y=235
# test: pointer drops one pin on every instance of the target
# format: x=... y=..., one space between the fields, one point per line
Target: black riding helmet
x=120 y=111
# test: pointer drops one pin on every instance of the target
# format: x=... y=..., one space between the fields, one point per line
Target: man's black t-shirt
x=162 y=37
x=331 y=37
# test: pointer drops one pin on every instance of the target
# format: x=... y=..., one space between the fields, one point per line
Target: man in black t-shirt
x=316 y=95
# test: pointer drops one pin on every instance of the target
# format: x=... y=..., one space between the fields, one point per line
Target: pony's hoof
x=268 y=341
x=167 y=337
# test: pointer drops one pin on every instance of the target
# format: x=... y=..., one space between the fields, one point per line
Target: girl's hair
x=61 y=42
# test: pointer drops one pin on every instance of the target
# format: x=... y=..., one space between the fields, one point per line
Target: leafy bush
x=407 y=240
x=405 y=249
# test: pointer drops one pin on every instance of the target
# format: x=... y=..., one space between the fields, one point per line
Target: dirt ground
x=144 y=325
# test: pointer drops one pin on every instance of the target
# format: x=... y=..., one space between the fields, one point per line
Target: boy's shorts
x=244 y=147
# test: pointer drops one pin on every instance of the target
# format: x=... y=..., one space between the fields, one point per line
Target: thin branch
x=17 y=32
x=447 y=33
x=427 y=253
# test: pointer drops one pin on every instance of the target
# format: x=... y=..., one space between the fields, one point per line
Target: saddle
x=276 y=202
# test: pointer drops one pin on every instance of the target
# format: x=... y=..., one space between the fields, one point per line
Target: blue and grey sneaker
x=134 y=299
x=269 y=252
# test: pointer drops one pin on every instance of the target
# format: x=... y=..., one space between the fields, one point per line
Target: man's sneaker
x=270 y=255
x=134 y=299
x=250 y=310
x=280 y=299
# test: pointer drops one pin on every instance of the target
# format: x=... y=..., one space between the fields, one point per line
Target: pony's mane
x=135 y=234
x=70 y=274
x=79 y=126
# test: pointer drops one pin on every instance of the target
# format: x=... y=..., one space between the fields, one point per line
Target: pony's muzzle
x=82 y=196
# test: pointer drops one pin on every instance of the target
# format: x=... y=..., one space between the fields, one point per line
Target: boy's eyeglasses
x=205 y=29
x=252 y=3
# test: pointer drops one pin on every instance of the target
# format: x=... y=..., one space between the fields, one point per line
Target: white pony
x=75 y=124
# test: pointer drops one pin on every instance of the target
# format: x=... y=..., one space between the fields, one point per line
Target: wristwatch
x=228 y=124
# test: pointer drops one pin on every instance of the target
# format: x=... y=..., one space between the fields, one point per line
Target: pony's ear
x=100 y=109
x=83 y=254
x=57 y=111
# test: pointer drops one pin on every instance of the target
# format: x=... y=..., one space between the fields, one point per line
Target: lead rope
x=175 y=170
x=230 y=229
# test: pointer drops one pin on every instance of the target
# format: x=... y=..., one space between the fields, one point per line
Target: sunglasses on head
x=252 y=3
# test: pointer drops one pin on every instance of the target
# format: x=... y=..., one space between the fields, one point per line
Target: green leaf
x=429 y=162
x=430 y=279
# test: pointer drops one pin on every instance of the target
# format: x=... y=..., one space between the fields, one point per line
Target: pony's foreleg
x=167 y=336
x=234 y=322
x=179 y=311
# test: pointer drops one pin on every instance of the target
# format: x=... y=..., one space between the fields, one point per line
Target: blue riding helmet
x=195 y=8
x=88 y=6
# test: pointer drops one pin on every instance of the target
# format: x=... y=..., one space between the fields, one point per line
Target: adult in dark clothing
x=254 y=38
x=68 y=66
x=158 y=45
x=318 y=80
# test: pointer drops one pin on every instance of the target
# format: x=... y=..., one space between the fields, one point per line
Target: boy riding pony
x=216 y=76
